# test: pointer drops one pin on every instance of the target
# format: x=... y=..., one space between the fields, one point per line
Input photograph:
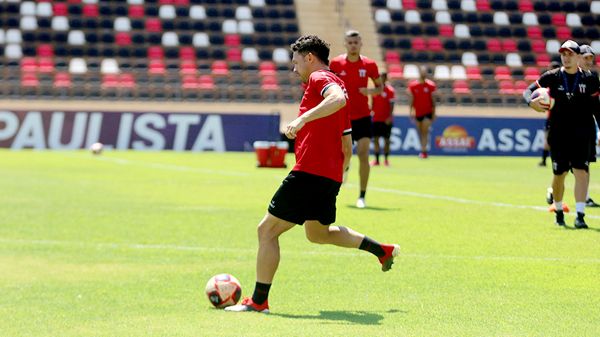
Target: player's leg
x=362 y=151
x=425 y=126
x=376 y=149
x=581 y=187
x=386 y=144
x=340 y=236
x=558 y=188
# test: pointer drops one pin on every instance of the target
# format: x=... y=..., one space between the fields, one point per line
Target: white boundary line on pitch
x=141 y=246
x=379 y=189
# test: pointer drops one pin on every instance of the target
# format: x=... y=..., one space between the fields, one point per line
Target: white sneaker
x=360 y=203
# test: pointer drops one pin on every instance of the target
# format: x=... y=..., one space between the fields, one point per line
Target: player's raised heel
x=248 y=305
x=391 y=251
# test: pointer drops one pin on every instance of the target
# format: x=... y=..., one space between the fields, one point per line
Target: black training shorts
x=382 y=129
x=428 y=116
x=303 y=196
x=361 y=128
x=571 y=154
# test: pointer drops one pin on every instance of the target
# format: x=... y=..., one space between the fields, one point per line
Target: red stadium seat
x=534 y=32
x=559 y=19
x=188 y=68
x=473 y=73
x=189 y=82
x=483 y=5
x=532 y=73
x=538 y=46
x=153 y=25
x=409 y=4
x=460 y=87
x=127 y=81
x=29 y=65
x=418 y=44
x=90 y=10
x=509 y=45
x=233 y=55
x=220 y=68
x=136 y=11
x=46 y=65
x=29 y=80
x=520 y=86
x=502 y=73
x=494 y=45
x=267 y=68
x=446 y=30
x=563 y=33
x=110 y=81
x=525 y=6
x=435 y=44
x=187 y=53
x=232 y=40
x=269 y=83
x=155 y=52
x=122 y=39
x=62 y=80
x=60 y=9
x=157 y=67
x=543 y=60
x=395 y=71
x=45 y=50
x=392 y=56
x=507 y=87
x=206 y=82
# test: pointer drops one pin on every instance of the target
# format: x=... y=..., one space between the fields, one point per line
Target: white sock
x=580 y=207
x=558 y=205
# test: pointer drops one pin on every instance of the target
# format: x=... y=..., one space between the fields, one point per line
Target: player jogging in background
x=571 y=126
x=383 y=117
x=422 y=107
x=355 y=70
x=586 y=63
x=307 y=196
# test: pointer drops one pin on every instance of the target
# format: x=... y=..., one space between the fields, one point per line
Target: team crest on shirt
x=343 y=73
x=362 y=72
x=582 y=88
x=426 y=89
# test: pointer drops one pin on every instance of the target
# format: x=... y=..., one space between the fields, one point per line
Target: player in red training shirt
x=355 y=70
x=422 y=107
x=307 y=195
x=383 y=108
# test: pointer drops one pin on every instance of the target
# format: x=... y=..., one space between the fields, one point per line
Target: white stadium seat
x=530 y=19
x=595 y=7
x=167 y=12
x=170 y=39
x=27 y=8
x=468 y=5
x=200 y=40
x=281 y=55
x=243 y=13
x=383 y=16
x=77 y=65
x=469 y=59
x=13 y=51
x=443 y=18
x=458 y=72
x=439 y=5
x=60 y=23
x=412 y=16
x=552 y=46
x=394 y=4
x=135 y=2
x=595 y=45
x=230 y=26
x=2 y=37
x=501 y=19
x=513 y=60
x=76 y=38
x=250 y=55
x=246 y=27
x=441 y=72
x=13 y=36
x=573 y=20
x=44 y=9
x=122 y=24
x=28 y=23
x=109 y=66
x=257 y=3
x=462 y=31
x=411 y=71
x=197 y=12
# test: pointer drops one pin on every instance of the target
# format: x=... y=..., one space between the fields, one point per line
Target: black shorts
x=303 y=196
x=571 y=154
x=382 y=129
x=428 y=116
x=361 y=128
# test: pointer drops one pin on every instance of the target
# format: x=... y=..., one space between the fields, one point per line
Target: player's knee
x=316 y=237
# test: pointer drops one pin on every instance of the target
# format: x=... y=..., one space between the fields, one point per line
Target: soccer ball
x=96 y=148
x=223 y=290
x=547 y=101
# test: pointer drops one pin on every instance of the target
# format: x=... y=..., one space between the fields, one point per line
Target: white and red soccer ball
x=546 y=101
x=96 y=148
x=223 y=290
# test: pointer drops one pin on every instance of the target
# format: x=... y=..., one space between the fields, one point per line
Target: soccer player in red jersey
x=308 y=194
x=422 y=107
x=355 y=70
x=383 y=108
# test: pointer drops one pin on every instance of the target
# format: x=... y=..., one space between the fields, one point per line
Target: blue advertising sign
x=472 y=136
x=135 y=130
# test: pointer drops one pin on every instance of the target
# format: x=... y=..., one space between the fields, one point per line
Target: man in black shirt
x=571 y=126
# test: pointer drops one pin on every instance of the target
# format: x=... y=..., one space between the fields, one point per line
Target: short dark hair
x=312 y=44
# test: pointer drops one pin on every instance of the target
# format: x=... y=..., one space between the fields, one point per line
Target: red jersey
x=318 y=145
x=422 y=96
x=355 y=75
x=382 y=108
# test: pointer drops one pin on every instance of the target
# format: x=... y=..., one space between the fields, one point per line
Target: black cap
x=569 y=45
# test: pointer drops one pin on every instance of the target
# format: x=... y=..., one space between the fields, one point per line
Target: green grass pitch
x=122 y=244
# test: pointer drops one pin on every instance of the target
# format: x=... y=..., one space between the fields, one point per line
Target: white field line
x=334 y=252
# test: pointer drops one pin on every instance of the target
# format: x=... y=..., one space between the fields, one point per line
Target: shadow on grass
x=373 y=208
x=583 y=230
x=348 y=317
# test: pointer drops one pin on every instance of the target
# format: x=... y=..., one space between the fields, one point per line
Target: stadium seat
x=473 y=73
x=563 y=33
x=269 y=83
x=468 y=6
x=109 y=66
x=281 y=55
x=395 y=71
x=502 y=73
x=559 y=19
x=507 y=87
x=514 y=60
x=77 y=66
x=439 y=5
x=531 y=73
x=552 y=46
x=501 y=19
x=462 y=31
x=525 y=6
x=382 y=16
x=392 y=56
x=483 y=5
x=446 y=30
x=458 y=72
x=157 y=67
x=434 y=44
x=411 y=71
x=443 y=18
x=219 y=68
x=62 y=80
x=394 y=4
x=595 y=7
x=460 y=87
x=530 y=19
x=441 y=72
x=573 y=20
x=412 y=16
